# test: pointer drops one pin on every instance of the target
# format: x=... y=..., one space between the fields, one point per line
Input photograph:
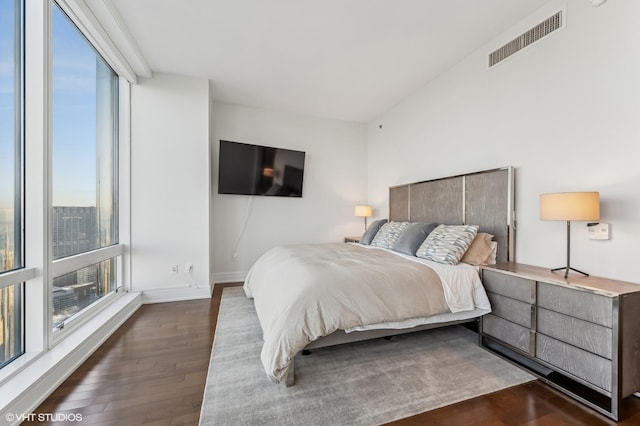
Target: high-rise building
x=6 y=252
x=74 y=230
x=3 y=251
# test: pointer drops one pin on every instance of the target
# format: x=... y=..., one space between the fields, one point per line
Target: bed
x=316 y=295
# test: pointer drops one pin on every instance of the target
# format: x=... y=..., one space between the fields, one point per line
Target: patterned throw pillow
x=388 y=235
x=447 y=243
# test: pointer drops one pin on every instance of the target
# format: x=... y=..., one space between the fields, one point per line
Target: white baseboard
x=229 y=277
x=175 y=294
x=27 y=389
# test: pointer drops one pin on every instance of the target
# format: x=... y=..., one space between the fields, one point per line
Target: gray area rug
x=365 y=383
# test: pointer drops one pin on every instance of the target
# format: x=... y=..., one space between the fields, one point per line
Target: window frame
x=63 y=265
x=19 y=126
x=37 y=267
x=18 y=274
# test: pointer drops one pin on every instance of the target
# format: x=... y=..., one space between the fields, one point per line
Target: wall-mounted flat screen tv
x=259 y=170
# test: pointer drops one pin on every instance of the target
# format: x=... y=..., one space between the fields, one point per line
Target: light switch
x=598 y=231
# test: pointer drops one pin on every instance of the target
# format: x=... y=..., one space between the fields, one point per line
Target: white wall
x=334 y=182
x=170 y=184
x=564 y=111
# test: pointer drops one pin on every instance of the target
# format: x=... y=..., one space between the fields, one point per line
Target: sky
x=74 y=112
x=6 y=106
x=74 y=115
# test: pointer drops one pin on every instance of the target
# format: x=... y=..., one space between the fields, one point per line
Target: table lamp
x=570 y=206
x=363 y=211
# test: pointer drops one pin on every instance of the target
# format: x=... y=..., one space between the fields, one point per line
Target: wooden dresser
x=581 y=335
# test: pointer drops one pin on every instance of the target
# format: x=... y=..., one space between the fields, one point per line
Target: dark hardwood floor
x=153 y=370
x=532 y=403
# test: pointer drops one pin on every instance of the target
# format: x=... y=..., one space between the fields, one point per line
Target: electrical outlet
x=173 y=269
x=189 y=267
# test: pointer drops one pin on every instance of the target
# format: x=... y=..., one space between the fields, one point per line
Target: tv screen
x=259 y=170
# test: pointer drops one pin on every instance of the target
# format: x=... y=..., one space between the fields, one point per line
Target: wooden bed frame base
x=340 y=337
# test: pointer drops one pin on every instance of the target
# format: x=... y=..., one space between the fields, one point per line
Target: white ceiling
x=342 y=59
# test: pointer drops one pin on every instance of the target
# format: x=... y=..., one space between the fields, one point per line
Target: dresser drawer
x=583 y=334
x=511 y=309
x=507 y=331
x=585 y=365
x=576 y=303
x=511 y=286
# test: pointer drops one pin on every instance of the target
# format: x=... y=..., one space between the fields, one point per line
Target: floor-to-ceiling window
x=60 y=256
x=84 y=216
x=11 y=167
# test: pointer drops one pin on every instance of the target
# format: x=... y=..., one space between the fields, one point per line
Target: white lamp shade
x=362 y=211
x=570 y=206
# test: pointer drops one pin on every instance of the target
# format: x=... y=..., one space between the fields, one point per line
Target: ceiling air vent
x=543 y=29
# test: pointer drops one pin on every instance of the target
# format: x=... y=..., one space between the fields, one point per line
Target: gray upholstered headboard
x=483 y=198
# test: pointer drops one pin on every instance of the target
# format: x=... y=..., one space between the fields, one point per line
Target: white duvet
x=304 y=292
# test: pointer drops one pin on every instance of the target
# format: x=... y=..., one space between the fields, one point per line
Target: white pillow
x=447 y=243
x=491 y=260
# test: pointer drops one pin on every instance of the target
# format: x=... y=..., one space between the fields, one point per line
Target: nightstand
x=580 y=335
x=352 y=239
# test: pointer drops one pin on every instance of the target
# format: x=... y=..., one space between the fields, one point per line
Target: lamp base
x=566 y=271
